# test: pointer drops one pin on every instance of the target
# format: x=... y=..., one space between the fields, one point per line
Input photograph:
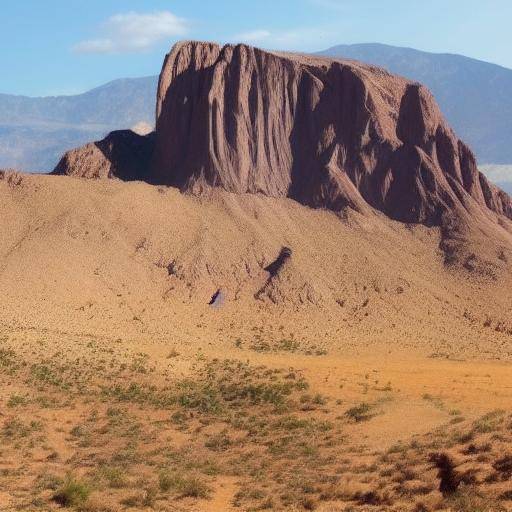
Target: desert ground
x=334 y=378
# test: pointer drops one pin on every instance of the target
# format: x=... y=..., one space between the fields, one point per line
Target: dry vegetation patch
x=93 y=426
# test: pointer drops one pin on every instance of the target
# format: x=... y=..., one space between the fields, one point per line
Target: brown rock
x=122 y=154
x=11 y=176
x=327 y=133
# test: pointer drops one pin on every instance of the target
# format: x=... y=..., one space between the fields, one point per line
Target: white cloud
x=133 y=32
x=498 y=173
x=95 y=46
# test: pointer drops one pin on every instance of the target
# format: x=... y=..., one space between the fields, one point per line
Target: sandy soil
x=107 y=284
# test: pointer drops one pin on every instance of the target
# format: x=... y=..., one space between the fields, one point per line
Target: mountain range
x=35 y=132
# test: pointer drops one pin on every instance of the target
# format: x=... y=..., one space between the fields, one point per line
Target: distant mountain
x=475 y=96
x=35 y=132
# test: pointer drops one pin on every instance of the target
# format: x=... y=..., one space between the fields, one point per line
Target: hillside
x=363 y=155
x=130 y=259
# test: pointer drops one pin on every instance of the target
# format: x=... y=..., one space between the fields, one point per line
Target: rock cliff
x=327 y=133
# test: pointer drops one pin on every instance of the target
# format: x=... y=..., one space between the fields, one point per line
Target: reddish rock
x=122 y=154
x=325 y=132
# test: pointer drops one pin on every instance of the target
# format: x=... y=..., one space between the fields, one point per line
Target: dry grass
x=112 y=428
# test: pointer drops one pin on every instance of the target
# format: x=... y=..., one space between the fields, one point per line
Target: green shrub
x=114 y=476
x=361 y=412
x=183 y=485
x=72 y=493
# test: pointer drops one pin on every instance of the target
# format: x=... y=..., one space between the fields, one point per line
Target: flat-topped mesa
x=327 y=133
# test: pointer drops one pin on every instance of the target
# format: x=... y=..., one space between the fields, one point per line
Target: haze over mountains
x=35 y=132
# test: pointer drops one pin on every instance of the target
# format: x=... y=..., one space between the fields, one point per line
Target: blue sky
x=68 y=46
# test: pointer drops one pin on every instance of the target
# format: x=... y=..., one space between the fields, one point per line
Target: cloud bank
x=134 y=32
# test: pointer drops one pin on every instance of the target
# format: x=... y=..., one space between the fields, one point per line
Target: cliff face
x=324 y=132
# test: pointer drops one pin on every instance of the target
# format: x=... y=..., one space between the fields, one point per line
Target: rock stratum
x=327 y=133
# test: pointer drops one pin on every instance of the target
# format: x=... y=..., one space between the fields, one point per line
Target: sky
x=53 y=47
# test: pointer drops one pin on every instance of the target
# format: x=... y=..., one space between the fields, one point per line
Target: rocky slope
x=131 y=259
x=122 y=154
x=252 y=137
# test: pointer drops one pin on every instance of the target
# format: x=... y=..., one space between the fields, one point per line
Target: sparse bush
x=490 y=422
x=184 y=486
x=16 y=400
x=219 y=442
x=193 y=487
x=48 y=481
x=469 y=500
x=144 y=498
x=167 y=481
x=14 y=428
x=115 y=477
x=361 y=412
x=504 y=465
x=9 y=362
x=72 y=493
x=373 y=498
x=288 y=345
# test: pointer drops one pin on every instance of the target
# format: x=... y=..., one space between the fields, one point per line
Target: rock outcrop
x=327 y=133
x=122 y=154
